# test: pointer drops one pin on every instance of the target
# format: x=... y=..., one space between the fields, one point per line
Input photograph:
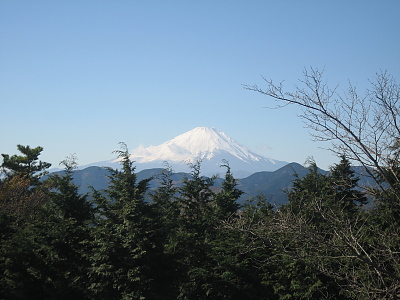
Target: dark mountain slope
x=271 y=184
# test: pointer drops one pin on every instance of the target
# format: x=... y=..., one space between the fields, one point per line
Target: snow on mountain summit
x=209 y=145
x=198 y=143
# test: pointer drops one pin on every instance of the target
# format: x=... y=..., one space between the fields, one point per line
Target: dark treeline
x=192 y=242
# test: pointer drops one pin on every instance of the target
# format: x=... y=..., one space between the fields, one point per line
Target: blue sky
x=81 y=76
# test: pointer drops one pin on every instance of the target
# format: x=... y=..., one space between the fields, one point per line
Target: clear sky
x=81 y=76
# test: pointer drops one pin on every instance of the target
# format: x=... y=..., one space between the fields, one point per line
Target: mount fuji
x=209 y=145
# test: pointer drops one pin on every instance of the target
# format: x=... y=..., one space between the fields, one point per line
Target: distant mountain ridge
x=209 y=145
x=271 y=184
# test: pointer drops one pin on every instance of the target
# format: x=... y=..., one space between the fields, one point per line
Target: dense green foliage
x=192 y=241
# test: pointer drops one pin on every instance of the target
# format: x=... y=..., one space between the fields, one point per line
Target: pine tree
x=26 y=165
x=22 y=191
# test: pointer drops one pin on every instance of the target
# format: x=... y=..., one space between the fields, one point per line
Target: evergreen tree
x=212 y=265
x=166 y=215
x=225 y=201
x=344 y=185
x=123 y=238
x=194 y=235
x=291 y=243
x=316 y=194
x=22 y=192
x=328 y=231
x=309 y=194
x=164 y=202
x=66 y=197
x=26 y=165
x=241 y=255
x=45 y=258
x=195 y=198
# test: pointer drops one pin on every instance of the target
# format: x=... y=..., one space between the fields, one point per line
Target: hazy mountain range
x=271 y=184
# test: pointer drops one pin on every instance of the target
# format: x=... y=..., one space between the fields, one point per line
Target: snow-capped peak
x=199 y=143
x=209 y=145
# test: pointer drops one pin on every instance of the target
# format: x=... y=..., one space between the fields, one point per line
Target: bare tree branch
x=364 y=128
